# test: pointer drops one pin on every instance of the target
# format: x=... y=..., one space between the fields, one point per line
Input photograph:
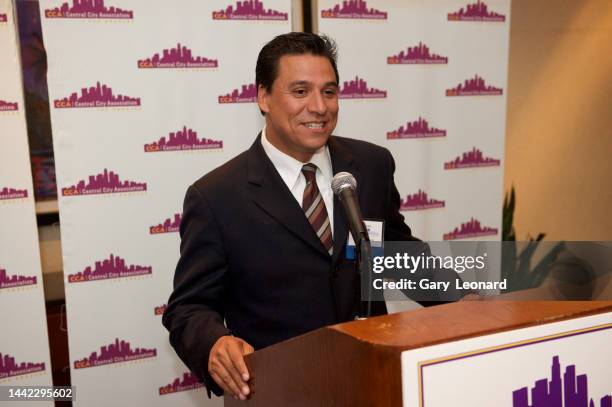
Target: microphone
x=344 y=186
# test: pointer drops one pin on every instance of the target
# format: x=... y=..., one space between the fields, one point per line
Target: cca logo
x=75 y=279
x=156 y=229
x=69 y=191
x=149 y=148
x=53 y=13
x=62 y=103
x=80 y=364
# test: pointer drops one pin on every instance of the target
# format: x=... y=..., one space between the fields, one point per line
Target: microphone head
x=343 y=180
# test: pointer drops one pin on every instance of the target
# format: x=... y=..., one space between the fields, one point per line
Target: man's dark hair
x=294 y=43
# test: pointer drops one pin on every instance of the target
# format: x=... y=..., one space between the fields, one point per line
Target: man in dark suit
x=263 y=237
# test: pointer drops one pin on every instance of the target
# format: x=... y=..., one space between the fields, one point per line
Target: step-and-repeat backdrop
x=24 y=346
x=146 y=98
x=427 y=79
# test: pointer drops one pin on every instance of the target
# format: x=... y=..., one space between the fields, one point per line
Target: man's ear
x=262 y=99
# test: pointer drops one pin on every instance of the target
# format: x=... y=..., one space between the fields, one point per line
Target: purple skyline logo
x=111 y=268
x=9 y=368
x=571 y=391
x=248 y=94
x=471 y=159
x=117 y=352
x=88 y=9
x=13 y=281
x=3 y=18
x=12 y=193
x=179 y=57
x=249 y=10
x=181 y=140
x=420 y=201
x=106 y=182
x=474 y=87
x=416 y=55
x=96 y=96
x=159 y=310
x=169 y=225
x=416 y=129
x=470 y=229
x=188 y=382
x=358 y=89
x=354 y=9
x=476 y=12
x=8 y=106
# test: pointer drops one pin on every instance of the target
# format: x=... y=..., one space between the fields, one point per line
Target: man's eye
x=300 y=92
x=330 y=92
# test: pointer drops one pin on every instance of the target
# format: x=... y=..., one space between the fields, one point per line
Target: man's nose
x=316 y=103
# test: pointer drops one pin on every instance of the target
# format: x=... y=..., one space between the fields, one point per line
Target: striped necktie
x=314 y=207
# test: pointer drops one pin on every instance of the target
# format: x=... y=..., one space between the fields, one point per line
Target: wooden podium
x=358 y=363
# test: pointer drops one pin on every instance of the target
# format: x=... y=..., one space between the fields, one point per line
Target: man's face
x=302 y=106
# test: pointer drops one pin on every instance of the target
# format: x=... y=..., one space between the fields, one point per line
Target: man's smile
x=316 y=126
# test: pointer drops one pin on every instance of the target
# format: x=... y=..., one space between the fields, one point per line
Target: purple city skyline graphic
x=8 y=106
x=247 y=94
x=159 y=310
x=178 y=57
x=419 y=201
x=470 y=229
x=117 y=352
x=12 y=193
x=111 y=268
x=249 y=10
x=94 y=9
x=10 y=368
x=13 y=281
x=354 y=9
x=471 y=159
x=476 y=12
x=96 y=96
x=169 y=225
x=358 y=89
x=188 y=382
x=185 y=139
x=474 y=87
x=107 y=182
x=417 y=55
x=569 y=391
x=416 y=129
x=3 y=18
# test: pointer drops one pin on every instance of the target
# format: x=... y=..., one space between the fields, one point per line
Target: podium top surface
x=462 y=320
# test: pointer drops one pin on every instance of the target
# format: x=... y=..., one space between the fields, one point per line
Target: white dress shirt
x=290 y=171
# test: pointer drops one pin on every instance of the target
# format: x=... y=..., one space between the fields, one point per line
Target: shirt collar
x=289 y=168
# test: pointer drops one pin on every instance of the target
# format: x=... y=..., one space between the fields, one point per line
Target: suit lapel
x=342 y=160
x=271 y=195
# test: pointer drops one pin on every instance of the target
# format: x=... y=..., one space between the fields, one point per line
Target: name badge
x=376 y=230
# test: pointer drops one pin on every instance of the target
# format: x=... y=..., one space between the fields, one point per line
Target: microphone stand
x=365 y=264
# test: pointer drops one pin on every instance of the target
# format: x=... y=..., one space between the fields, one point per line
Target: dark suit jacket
x=250 y=257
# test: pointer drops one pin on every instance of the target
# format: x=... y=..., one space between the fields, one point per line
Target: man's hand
x=226 y=365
